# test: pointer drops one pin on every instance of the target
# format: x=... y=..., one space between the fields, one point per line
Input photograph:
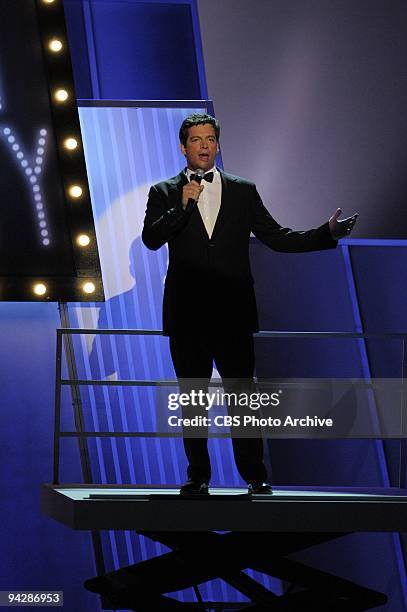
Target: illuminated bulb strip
x=83 y=240
x=61 y=95
x=71 y=144
x=75 y=191
x=88 y=287
x=31 y=172
x=40 y=289
x=55 y=45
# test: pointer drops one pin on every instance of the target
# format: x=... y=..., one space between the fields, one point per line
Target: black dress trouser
x=193 y=356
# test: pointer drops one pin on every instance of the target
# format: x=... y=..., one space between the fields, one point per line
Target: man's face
x=201 y=147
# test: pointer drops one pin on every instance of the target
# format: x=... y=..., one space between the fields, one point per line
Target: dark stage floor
x=302 y=509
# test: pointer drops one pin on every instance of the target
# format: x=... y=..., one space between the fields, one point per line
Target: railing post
x=57 y=410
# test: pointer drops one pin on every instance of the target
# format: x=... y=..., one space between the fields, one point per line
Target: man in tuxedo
x=209 y=308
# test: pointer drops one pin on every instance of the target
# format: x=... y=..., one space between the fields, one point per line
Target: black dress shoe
x=194 y=487
x=259 y=488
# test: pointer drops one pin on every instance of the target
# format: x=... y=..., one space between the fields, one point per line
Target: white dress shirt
x=210 y=199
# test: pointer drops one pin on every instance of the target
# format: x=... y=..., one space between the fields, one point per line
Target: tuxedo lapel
x=179 y=181
x=226 y=203
x=196 y=219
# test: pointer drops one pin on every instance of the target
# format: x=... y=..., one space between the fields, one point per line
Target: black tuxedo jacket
x=209 y=285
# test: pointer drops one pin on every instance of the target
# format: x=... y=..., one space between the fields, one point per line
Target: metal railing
x=82 y=434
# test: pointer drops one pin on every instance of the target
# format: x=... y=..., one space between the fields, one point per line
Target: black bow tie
x=206 y=177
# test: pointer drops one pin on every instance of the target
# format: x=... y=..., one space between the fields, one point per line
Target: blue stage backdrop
x=125 y=49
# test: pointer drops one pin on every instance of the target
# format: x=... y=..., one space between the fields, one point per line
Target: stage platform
x=299 y=509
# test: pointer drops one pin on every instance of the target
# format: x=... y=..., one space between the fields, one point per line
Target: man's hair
x=197 y=119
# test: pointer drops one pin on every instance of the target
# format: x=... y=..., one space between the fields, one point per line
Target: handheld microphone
x=198 y=176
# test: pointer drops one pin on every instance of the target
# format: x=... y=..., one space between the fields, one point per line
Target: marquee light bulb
x=40 y=289
x=55 y=45
x=88 y=287
x=70 y=144
x=61 y=95
x=75 y=191
x=83 y=240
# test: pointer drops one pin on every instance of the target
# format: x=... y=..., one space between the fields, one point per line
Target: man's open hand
x=341 y=229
